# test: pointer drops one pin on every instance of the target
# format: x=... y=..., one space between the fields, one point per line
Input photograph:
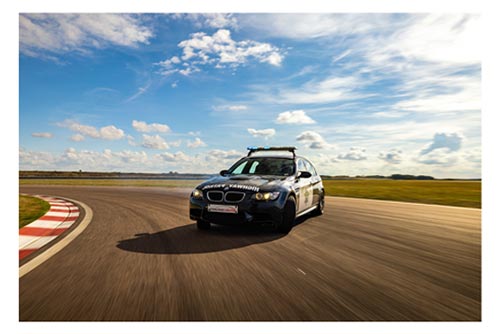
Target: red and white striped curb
x=61 y=215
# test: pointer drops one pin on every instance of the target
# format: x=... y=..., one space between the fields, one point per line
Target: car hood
x=254 y=183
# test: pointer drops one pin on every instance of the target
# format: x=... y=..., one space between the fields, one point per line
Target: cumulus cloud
x=77 y=137
x=218 y=50
x=196 y=143
x=153 y=127
x=154 y=142
x=449 y=141
x=354 y=154
x=53 y=34
x=313 y=140
x=109 y=132
x=35 y=159
x=392 y=157
x=47 y=135
x=223 y=155
x=264 y=133
x=174 y=157
x=294 y=117
x=439 y=156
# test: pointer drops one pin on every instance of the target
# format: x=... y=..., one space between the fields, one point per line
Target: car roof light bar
x=252 y=149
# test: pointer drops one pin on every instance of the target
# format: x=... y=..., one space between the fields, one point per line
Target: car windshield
x=264 y=166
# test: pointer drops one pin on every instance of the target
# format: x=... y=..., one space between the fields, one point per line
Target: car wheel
x=202 y=225
x=321 y=206
x=286 y=223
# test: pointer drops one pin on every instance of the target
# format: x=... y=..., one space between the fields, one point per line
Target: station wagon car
x=271 y=185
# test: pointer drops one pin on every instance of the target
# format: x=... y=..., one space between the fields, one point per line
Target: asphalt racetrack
x=141 y=258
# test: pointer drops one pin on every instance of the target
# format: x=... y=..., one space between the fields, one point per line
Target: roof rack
x=252 y=149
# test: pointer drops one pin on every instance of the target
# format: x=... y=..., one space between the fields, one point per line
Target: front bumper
x=249 y=212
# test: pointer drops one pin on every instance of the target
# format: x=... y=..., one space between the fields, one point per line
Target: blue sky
x=358 y=94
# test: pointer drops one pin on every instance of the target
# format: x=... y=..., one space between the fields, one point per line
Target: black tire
x=320 y=208
x=202 y=225
x=286 y=223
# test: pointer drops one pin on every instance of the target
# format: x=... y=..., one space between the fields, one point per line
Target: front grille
x=234 y=196
x=215 y=195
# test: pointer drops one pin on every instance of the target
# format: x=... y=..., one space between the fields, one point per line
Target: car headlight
x=198 y=194
x=268 y=196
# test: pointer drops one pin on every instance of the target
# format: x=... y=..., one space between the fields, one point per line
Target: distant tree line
x=392 y=177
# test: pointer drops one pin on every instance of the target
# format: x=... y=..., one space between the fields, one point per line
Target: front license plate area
x=220 y=208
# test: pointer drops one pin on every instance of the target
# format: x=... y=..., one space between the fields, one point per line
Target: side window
x=310 y=168
x=253 y=167
x=240 y=168
x=301 y=165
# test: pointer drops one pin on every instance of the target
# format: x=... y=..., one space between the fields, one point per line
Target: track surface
x=141 y=258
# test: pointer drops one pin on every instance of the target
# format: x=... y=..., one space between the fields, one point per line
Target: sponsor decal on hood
x=231 y=186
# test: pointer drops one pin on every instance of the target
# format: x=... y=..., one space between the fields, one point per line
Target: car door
x=305 y=193
x=315 y=182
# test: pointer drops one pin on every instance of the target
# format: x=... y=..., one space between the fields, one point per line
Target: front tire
x=289 y=211
x=202 y=225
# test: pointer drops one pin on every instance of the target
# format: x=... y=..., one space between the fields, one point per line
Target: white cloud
x=453 y=38
x=223 y=155
x=333 y=88
x=230 y=107
x=354 y=154
x=196 y=143
x=219 y=50
x=294 y=117
x=47 y=135
x=449 y=141
x=446 y=93
x=109 y=132
x=264 y=133
x=77 y=137
x=212 y=20
x=439 y=156
x=153 y=127
x=392 y=157
x=313 y=140
x=52 y=34
x=307 y=26
x=35 y=159
x=177 y=157
x=154 y=142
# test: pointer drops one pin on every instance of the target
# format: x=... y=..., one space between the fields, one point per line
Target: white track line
x=38 y=260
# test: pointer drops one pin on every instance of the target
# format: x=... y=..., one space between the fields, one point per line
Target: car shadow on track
x=187 y=239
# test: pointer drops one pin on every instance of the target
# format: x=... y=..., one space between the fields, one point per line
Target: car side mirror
x=223 y=172
x=304 y=175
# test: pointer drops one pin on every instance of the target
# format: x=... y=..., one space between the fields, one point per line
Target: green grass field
x=30 y=209
x=455 y=193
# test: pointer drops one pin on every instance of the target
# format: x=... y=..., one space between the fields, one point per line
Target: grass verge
x=454 y=193
x=30 y=209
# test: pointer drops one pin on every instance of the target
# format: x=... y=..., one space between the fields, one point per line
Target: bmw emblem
x=226 y=188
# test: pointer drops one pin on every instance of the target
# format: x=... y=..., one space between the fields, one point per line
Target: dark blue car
x=271 y=185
